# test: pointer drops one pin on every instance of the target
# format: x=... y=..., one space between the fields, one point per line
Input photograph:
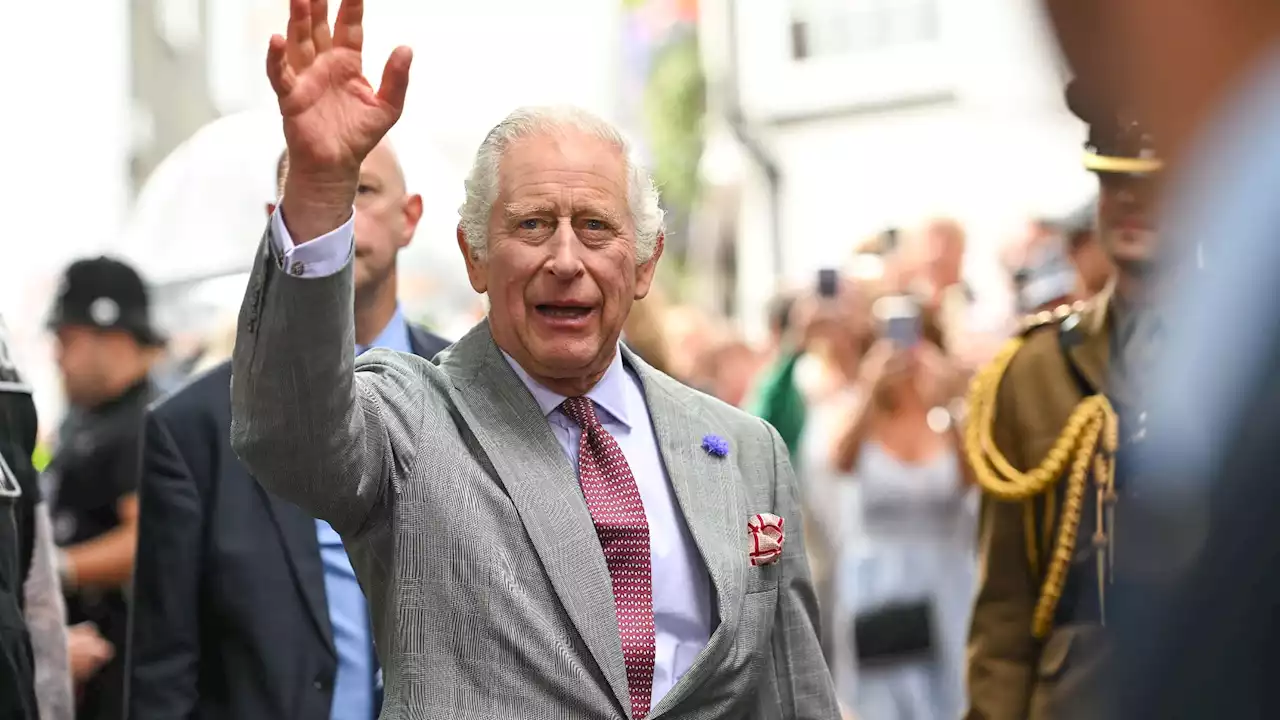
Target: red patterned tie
x=618 y=514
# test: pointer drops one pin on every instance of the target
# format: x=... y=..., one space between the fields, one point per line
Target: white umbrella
x=202 y=212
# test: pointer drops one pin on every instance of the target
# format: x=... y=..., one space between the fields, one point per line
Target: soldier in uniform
x=1049 y=419
x=106 y=346
x=18 y=495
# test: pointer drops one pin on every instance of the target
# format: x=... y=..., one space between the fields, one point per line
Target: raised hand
x=332 y=116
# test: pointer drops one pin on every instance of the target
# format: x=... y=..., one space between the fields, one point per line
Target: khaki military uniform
x=1031 y=657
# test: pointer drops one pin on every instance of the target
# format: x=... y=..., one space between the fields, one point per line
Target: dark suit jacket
x=229 y=615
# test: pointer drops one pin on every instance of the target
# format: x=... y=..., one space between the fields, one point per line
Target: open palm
x=332 y=116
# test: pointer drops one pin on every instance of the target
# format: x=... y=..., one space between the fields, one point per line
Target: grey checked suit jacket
x=464 y=521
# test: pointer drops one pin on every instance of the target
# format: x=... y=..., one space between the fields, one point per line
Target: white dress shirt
x=682 y=609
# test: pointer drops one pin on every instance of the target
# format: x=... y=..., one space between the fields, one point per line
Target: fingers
x=395 y=78
x=320 y=25
x=348 y=31
x=301 y=48
x=278 y=70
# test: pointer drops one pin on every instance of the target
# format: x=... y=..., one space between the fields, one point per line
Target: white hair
x=482 y=181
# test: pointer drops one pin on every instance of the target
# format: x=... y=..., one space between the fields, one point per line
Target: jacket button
x=320 y=684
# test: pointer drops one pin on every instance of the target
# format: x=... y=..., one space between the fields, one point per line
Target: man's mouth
x=560 y=311
x=1136 y=224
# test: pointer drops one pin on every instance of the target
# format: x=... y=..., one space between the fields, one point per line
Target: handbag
x=894 y=633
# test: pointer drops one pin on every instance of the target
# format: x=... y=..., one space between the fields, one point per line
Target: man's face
x=1126 y=222
x=82 y=357
x=1093 y=265
x=386 y=218
x=560 y=268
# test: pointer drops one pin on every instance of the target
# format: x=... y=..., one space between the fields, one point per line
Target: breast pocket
x=763 y=578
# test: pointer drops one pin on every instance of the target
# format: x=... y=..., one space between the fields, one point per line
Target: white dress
x=908 y=534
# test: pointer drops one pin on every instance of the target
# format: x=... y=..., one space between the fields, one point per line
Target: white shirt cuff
x=322 y=257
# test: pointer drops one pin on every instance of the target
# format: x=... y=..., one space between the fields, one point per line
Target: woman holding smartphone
x=904 y=575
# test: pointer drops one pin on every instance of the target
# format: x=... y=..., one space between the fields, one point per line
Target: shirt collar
x=608 y=394
x=395 y=336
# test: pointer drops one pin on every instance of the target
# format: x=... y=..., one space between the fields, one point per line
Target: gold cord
x=1092 y=422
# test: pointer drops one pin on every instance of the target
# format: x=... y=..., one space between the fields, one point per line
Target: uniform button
x=321 y=684
x=297 y=269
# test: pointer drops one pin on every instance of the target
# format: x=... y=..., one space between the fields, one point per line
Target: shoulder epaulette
x=1044 y=318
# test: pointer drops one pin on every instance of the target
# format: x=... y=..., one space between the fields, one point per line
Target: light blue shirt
x=682 y=610
x=358 y=679
x=354 y=690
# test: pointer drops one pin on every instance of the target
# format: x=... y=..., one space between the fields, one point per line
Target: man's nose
x=566 y=257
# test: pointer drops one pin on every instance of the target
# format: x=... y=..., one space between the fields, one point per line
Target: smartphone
x=828 y=282
x=890 y=241
x=899 y=317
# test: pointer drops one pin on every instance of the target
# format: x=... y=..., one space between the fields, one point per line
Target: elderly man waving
x=545 y=526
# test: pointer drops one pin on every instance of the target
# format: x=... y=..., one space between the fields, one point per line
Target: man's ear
x=412 y=214
x=645 y=270
x=477 y=269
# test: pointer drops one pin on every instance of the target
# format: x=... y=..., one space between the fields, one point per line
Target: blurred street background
x=783 y=133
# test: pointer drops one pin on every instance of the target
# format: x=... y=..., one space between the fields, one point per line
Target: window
x=833 y=28
x=804 y=58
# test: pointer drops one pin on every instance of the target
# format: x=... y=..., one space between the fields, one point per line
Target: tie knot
x=582 y=411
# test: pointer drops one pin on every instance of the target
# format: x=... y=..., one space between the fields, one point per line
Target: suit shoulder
x=1038 y=323
x=727 y=419
x=1039 y=356
x=199 y=395
x=427 y=344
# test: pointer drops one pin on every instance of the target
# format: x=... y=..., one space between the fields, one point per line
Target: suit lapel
x=1091 y=356
x=708 y=495
x=541 y=483
x=298 y=531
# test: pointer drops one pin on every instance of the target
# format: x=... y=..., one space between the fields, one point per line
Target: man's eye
x=596 y=225
x=363 y=189
x=530 y=224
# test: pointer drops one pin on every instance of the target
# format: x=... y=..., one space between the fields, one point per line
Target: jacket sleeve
x=307 y=426
x=45 y=616
x=162 y=666
x=1002 y=652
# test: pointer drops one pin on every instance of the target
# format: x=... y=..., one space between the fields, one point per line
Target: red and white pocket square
x=765 y=533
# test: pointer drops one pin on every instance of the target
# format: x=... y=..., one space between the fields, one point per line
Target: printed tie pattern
x=618 y=513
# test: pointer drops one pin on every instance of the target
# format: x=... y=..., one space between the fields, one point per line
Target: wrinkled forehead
x=564 y=167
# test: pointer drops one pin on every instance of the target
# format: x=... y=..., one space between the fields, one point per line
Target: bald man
x=244 y=606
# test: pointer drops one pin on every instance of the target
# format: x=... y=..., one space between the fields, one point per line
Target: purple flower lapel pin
x=715 y=445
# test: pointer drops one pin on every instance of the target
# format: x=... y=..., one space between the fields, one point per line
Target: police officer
x=18 y=495
x=1049 y=422
x=106 y=345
